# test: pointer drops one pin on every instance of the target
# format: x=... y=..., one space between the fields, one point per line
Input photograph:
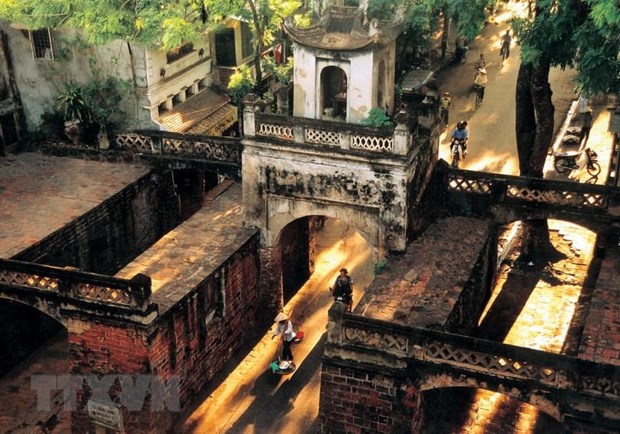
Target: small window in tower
x=41 y=43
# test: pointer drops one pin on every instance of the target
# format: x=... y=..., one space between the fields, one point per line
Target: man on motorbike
x=480 y=82
x=460 y=137
x=342 y=290
x=481 y=63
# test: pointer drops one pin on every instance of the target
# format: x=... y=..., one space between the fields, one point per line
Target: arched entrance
x=33 y=344
x=334 y=103
x=312 y=249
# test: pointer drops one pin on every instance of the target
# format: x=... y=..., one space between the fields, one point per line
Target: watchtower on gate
x=344 y=65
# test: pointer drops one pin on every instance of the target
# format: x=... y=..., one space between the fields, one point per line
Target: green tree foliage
x=162 y=23
x=580 y=33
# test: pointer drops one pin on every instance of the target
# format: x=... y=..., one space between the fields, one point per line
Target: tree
x=562 y=33
x=164 y=24
x=265 y=18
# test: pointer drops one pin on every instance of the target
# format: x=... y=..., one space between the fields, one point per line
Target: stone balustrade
x=224 y=149
x=521 y=190
x=80 y=286
x=319 y=133
x=367 y=339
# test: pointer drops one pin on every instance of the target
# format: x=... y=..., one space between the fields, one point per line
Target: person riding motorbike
x=480 y=82
x=342 y=290
x=460 y=137
x=481 y=63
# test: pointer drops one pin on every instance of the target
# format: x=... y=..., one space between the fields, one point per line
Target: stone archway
x=333 y=93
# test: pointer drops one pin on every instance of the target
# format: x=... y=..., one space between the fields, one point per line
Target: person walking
x=444 y=108
x=284 y=330
x=586 y=126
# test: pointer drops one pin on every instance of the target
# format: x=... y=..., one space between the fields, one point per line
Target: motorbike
x=458 y=148
x=460 y=53
x=566 y=161
x=346 y=299
x=285 y=367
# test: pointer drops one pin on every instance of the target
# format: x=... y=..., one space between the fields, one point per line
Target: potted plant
x=79 y=126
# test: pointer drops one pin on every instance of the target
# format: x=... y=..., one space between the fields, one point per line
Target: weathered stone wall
x=114 y=232
x=369 y=196
x=198 y=336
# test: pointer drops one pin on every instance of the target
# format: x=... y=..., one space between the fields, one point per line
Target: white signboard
x=106 y=415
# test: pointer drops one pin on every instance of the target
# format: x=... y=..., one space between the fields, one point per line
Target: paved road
x=251 y=399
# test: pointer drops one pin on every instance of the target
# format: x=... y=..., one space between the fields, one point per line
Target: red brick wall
x=104 y=348
x=358 y=401
x=192 y=341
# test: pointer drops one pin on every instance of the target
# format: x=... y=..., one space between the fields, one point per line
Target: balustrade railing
x=226 y=149
x=514 y=189
x=481 y=358
x=76 y=284
x=334 y=134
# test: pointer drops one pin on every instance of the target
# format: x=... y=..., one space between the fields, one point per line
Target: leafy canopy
x=575 y=33
x=162 y=23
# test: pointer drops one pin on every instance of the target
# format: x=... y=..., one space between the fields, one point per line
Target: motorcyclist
x=342 y=289
x=460 y=135
x=480 y=82
x=481 y=63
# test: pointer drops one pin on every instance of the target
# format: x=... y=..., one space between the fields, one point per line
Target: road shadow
x=513 y=296
x=265 y=414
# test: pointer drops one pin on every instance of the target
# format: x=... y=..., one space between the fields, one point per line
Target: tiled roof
x=193 y=111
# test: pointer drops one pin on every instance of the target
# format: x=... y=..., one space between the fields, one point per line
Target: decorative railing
x=225 y=149
x=334 y=134
x=480 y=358
x=76 y=284
x=520 y=190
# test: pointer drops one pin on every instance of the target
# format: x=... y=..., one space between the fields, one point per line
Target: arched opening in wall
x=333 y=93
x=312 y=250
x=479 y=411
x=196 y=188
x=537 y=303
x=33 y=344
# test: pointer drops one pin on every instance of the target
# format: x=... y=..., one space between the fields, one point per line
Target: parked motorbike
x=460 y=53
x=567 y=161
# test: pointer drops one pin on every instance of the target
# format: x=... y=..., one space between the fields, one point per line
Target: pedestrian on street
x=284 y=330
x=584 y=135
x=444 y=108
x=506 y=41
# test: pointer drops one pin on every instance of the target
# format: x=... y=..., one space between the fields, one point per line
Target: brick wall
x=113 y=233
x=100 y=348
x=196 y=338
x=363 y=401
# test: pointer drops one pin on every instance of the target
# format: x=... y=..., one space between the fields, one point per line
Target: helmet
x=446 y=94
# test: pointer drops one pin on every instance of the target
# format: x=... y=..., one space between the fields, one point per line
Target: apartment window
x=225 y=47
x=41 y=43
x=179 y=52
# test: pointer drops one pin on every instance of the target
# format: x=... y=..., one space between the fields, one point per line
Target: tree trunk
x=534 y=131
x=445 y=33
x=259 y=34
